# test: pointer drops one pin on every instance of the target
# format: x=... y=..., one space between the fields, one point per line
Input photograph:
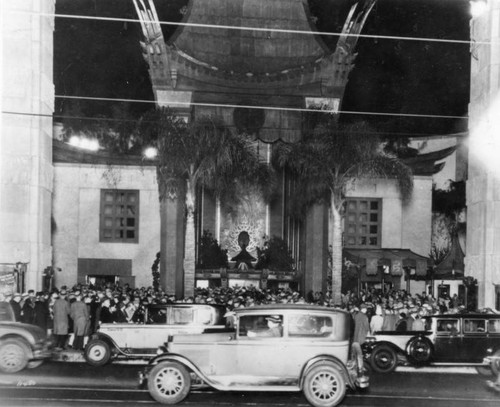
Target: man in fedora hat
x=275 y=328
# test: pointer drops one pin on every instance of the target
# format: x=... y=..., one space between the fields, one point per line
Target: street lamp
x=150 y=153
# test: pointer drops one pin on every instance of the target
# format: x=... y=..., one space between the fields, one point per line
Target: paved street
x=76 y=384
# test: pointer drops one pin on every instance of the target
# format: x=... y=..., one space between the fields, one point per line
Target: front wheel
x=324 y=386
x=383 y=359
x=97 y=353
x=13 y=356
x=169 y=382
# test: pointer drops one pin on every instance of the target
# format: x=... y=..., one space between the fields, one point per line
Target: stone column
x=483 y=186
x=172 y=246
x=26 y=139
x=315 y=246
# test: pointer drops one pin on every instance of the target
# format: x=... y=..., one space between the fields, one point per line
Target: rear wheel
x=169 y=382
x=324 y=386
x=97 y=353
x=13 y=356
x=383 y=359
x=495 y=364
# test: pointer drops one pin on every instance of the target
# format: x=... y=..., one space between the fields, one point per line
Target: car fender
x=20 y=339
x=173 y=357
x=373 y=345
x=326 y=359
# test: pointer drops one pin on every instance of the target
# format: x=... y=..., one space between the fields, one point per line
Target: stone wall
x=483 y=186
x=26 y=141
x=76 y=209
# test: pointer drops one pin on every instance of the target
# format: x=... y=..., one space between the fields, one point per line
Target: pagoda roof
x=249 y=46
x=425 y=164
x=246 y=50
x=63 y=152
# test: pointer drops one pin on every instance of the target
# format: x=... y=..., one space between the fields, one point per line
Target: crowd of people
x=76 y=312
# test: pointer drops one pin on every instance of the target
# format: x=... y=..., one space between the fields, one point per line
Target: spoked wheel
x=13 y=356
x=324 y=386
x=97 y=353
x=383 y=359
x=169 y=382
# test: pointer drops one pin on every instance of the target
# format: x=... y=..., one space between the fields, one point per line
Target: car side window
x=307 y=326
x=494 y=325
x=181 y=316
x=474 y=325
x=447 y=326
x=262 y=325
x=157 y=316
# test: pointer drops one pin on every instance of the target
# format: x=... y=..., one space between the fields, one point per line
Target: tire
x=169 y=382
x=13 y=356
x=484 y=371
x=97 y=353
x=495 y=364
x=419 y=351
x=383 y=359
x=34 y=364
x=324 y=386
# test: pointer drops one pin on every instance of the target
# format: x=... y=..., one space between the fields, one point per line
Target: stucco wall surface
x=76 y=208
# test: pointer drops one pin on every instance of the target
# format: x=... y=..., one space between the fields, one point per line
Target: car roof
x=185 y=305
x=472 y=315
x=287 y=307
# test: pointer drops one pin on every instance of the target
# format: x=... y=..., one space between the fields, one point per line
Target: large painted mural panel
x=249 y=215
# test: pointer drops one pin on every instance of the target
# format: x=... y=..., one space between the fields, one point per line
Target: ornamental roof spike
x=354 y=23
x=153 y=46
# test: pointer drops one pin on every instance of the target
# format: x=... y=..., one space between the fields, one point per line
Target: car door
x=261 y=356
x=474 y=340
x=448 y=340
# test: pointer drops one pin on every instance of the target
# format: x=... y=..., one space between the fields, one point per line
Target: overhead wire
x=260 y=29
x=113 y=119
x=230 y=27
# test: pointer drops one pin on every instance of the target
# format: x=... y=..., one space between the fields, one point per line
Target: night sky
x=103 y=59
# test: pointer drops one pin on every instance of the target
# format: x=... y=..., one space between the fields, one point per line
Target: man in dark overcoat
x=61 y=311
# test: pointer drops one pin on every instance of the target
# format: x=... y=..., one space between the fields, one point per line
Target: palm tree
x=326 y=161
x=201 y=154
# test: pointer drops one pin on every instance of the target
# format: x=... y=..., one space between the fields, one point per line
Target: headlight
x=161 y=350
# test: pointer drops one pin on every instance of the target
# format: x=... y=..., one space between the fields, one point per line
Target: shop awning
x=392 y=261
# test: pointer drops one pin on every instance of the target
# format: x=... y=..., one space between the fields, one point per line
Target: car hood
x=19 y=327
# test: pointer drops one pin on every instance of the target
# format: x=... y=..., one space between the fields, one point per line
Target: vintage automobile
x=448 y=340
x=21 y=345
x=141 y=340
x=307 y=350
